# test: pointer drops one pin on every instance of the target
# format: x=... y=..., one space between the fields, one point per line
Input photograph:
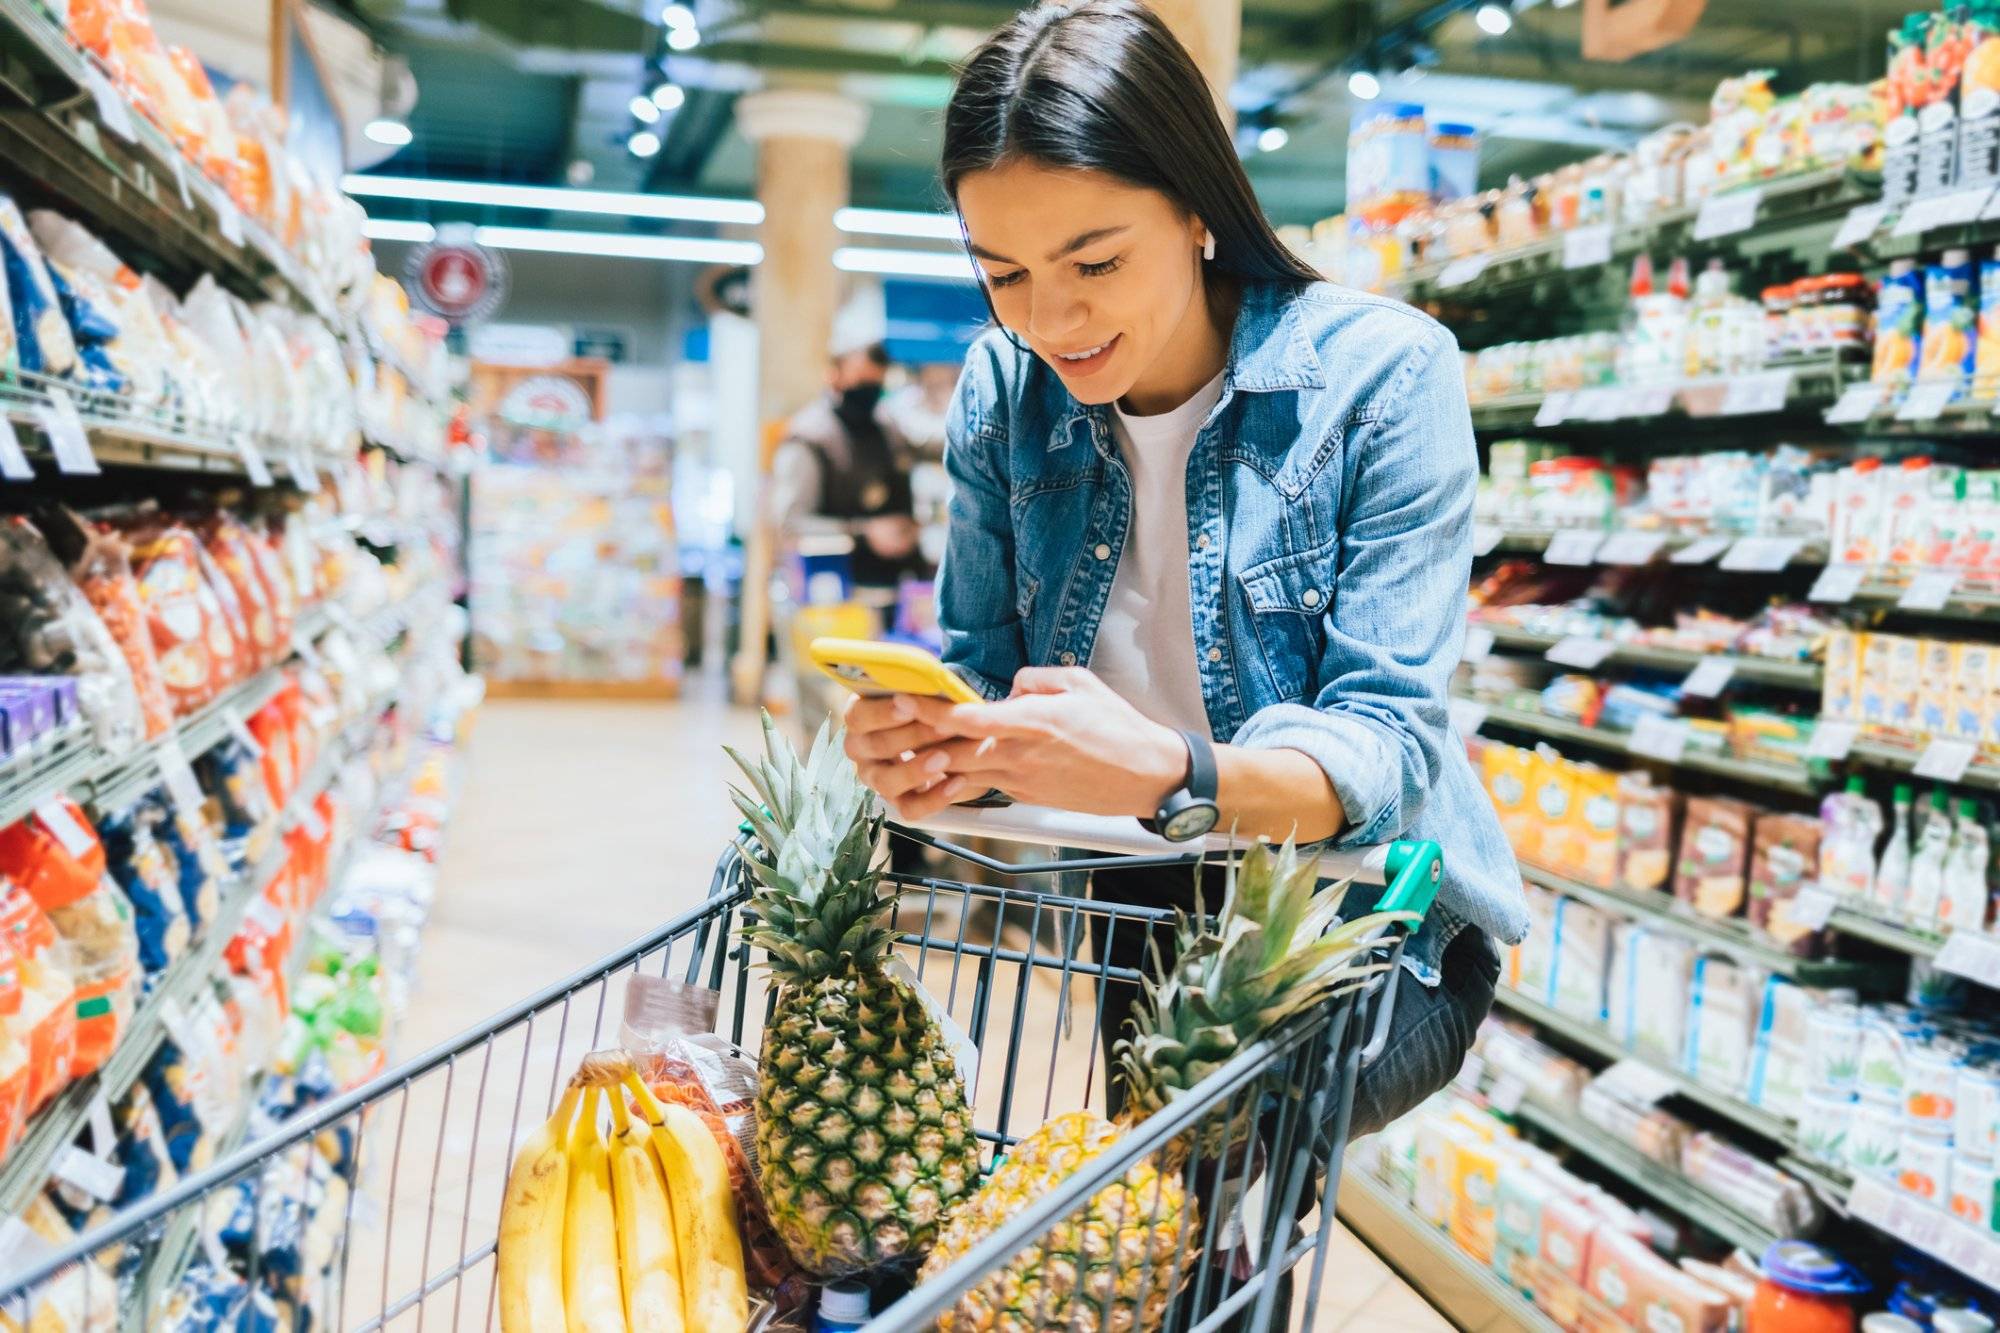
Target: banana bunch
x=634 y=1232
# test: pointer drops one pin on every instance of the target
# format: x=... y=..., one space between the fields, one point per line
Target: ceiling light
x=1494 y=20
x=618 y=245
x=580 y=172
x=683 y=39
x=553 y=199
x=644 y=111
x=903 y=263
x=1364 y=85
x=895 y=222
x=643 y=144
x=668 y=96
x=384 y=130
x=390 y=229
x=677 y=16
x=1273 y=137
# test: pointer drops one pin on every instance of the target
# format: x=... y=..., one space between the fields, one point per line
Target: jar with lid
x=1805 y=1289
x=1778 y=301
x=1844 y=301
x=843 y=1306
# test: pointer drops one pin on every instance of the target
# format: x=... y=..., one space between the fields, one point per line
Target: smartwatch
x=1189 y=811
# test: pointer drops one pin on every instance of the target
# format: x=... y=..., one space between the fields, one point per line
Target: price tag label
x=1727 y=214
x=1945 y=759
x=1637 y=1083
x=14 y=1233
x=1702 y=551
x=1506 y=1094
x=304 y=474
x=103 y=1134
x=181 y=182
x=1832 y=739
x=1971 y=953
x=1573 y=546
x=179 y=777
x=1651 y=401
x=174 y=1021
x=1765 y=391
x=1813 y=907
x=1554 y=409
x=112 y=109
x=241 y=731
x=1485 y=537
x=228 y=221
x=1838 y=584
x=1580 y=651
x=1598 y=404
x=1656 y=737
x=1630 y=548
x=1587 y=247
x=1710 y=677
x=1927 y=402
x=1860 y=225
x=1467 y=716
x=92 y=1175
x=254 y=465
x=1954 y=209
x=13 y=459
x=1461 y=271
x=1857 y=402
x=1929 y=591
x=54 y=816
x=68 y=440
x=1478 y=644
x=1764 y=555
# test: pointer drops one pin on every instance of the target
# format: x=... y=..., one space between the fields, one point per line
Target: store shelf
x=1809 y=387
x=1830 y=1183
x=1491 y=537
x=1982 y=773
x=1662 y=1183
x=1928 y=1228
x=1595 y=1038
x=1890 y=934
x=1734 y=937
x=1788 y=777
x=1469 y=1293
x=1762 y=670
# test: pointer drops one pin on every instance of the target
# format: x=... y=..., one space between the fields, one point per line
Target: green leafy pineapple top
x=822 y=904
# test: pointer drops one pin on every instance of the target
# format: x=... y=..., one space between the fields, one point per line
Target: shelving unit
x=1761 y=670
x=1782 y=389
x=1795 y=778
x=1515 y=538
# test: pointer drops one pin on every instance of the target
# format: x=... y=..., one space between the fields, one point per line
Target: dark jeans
x=1430 y=1030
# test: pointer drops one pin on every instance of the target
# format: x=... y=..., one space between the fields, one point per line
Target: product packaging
x=1714 y=855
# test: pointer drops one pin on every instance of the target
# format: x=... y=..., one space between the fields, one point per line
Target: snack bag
x=181 y=614
x=103 y=573
x=42 y=340
x=14 y=1043
x=81 y=1298
x=48 y=993
x=228 y=544
x=148 y=874
x=48 y=628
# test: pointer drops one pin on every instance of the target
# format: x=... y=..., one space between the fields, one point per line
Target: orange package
x=104 y=575
x=240 y=659
x=48 y=993
x=13 y=1051
x=278 y=588
x=180 y=613
x=228 y=543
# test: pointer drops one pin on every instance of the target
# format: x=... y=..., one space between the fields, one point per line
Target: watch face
x=1192 y=822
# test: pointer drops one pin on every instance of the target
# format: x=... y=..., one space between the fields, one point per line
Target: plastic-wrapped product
x=82 y=1298
x=55 y=856
x=15 y=1040
x=210 y=315
x=48 y=628
x=48 y=993
x=41 y=334
x=99 y=564
x=197 y=858
x=241 y=659
x=147 y=873
x=249 y=820
x=89 y=312
x=173 y=1080
x=1755 y=1189
x=283 y=596
x=228 y=543
x=188 y=632
x=143 y=352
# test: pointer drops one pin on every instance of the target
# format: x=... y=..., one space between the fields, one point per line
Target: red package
x=283 y=598
x=237 y=657
x=228 y=543
x=13 y=1051
x=48 y=994
x=104 y=575
x=180 y=614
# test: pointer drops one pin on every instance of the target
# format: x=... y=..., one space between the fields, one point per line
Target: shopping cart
x=378 y=1209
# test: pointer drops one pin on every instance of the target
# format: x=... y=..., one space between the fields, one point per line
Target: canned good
x=1874 y=1137
x=1972 y=1191
x=1833 y=1048
x=1823 y=1126
x=1976 y=1118
x=1930 y=1086
x=1923 y=1165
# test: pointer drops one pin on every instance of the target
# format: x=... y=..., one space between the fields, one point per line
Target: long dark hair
x=1103 y=85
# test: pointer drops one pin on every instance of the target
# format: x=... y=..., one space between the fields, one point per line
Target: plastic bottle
x=1967 y=892
x=1949 y=340
x=843 y=1306
x=1677 y=278
x=1927 y=866
x=1899 y=323
x=1961 y=1321
x=1892 y=873
x=1853 y=825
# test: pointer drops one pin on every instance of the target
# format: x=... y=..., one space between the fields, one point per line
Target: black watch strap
x=1201 y=776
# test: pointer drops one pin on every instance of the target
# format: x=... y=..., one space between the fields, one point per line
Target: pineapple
x=863 y=1125
x=1110 y=1263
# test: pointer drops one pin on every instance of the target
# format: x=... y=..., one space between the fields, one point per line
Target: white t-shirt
x=1145 y=645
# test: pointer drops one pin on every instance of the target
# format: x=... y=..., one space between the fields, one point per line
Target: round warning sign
x=455 y=278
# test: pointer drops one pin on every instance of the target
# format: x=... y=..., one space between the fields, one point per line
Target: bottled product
x=1961 y=1321
x=842 y=1306
x=1899 y=322
x=1964 y=903
x=1805 y=1289
x=1927 y=866
x=1884 y=1322
x=1847 y=849
x=1986 y=358
x=1892 y=875
x=1948 y=342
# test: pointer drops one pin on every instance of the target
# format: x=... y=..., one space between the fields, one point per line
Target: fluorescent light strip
x=892 y=222
x=390 y=229
x=612 y=245
x=903 y=263
x=614 y=203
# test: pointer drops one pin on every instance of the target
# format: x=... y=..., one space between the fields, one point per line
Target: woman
x=1211 y=518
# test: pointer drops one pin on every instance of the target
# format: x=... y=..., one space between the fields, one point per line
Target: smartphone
x=872 y=669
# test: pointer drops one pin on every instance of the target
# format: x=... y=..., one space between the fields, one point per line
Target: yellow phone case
x=867 y=667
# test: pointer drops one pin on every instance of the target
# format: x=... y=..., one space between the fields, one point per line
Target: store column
x=803 y=137
x=1212 y=31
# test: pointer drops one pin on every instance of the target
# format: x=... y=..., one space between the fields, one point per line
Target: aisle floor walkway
x=580 y=826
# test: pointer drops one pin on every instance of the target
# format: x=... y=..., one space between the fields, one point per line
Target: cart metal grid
x=378 y=1209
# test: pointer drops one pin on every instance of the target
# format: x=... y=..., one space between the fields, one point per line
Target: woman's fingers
x=896 y=778
x=891 y=743
x=919 y=806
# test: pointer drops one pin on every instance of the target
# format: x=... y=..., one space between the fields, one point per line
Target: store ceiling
x=538 y=90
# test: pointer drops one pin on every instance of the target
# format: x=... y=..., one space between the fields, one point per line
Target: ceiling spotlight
x=1364 y=85
x=580 y=172
x=644 y=111
x=668 y=96
x=1273 y=137
x=683 y=39
x=1494 y=20
x=643 y=144
x=677 y=16
x=384 y=130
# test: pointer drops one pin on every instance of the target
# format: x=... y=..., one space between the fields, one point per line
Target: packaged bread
x=14 y=1043
x=188 y=635
x=1647 y=819
x=102 y=571
x=1714 y=855
x=1784 y=857
x=48 y=994
x=42 y=340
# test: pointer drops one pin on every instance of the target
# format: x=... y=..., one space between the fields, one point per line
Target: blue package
x=145 y=871
x=42 y=341
x=92 y=331
x=198 y=865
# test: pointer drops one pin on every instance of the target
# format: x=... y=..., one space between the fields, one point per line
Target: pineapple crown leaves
x=1272 y=953
x=819 y=898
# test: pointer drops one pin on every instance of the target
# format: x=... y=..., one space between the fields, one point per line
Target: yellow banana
x=591 y=1291
x=704 y=1210
x=530 y=1257
x=648 y=1252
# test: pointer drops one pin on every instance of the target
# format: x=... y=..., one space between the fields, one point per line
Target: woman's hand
x=1063 y=739
x=893 y=754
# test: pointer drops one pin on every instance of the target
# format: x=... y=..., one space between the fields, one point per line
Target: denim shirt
x=1329 y=498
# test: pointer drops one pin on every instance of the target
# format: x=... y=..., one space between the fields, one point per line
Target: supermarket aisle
x=579 y=826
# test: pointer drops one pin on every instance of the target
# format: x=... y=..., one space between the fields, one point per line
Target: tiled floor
x=580 y=827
